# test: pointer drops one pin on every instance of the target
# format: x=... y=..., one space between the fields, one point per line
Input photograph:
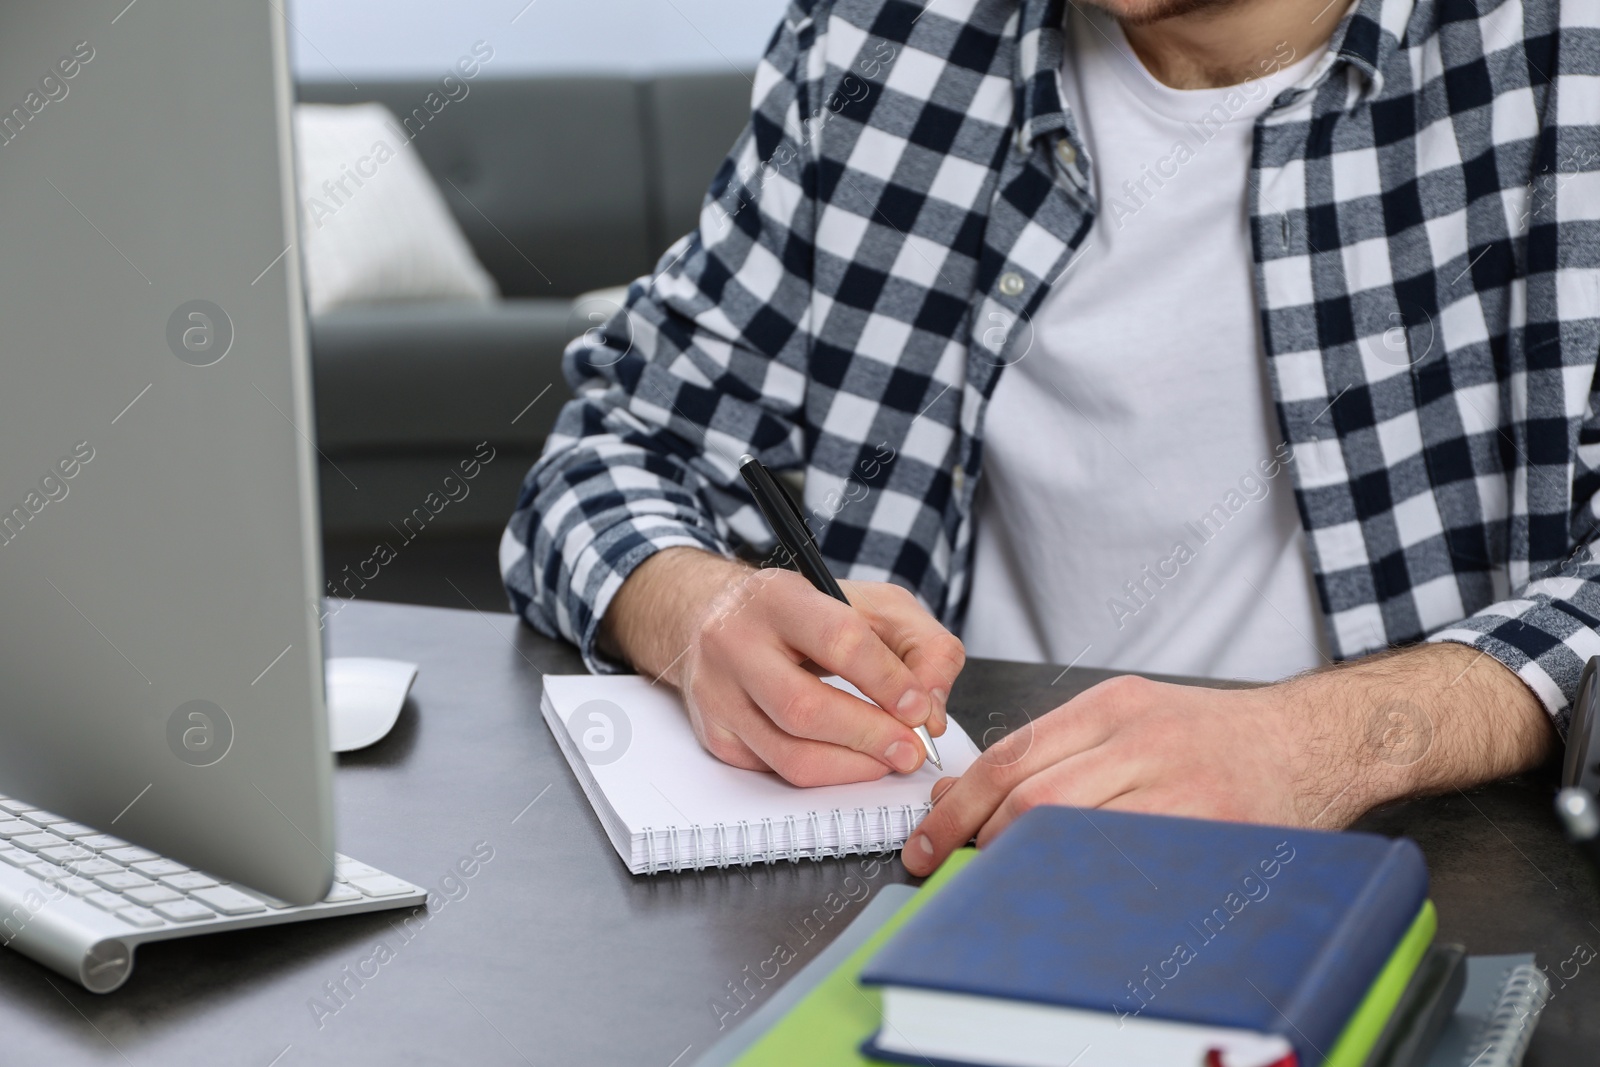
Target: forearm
x=654 y=614
x=1423 y=720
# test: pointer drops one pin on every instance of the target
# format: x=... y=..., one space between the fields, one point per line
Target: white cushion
x=374 y=225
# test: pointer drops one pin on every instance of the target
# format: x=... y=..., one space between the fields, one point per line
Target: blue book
x=1108 y=939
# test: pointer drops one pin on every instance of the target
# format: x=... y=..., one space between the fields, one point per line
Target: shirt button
x=958 y=479
x=1066 y=153
x=1011 y=283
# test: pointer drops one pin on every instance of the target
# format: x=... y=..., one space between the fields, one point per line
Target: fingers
x=718 y=711
x=842 y=641
x=1090 y=779
x=808 y=763
x=733 y=728
x=968 y=806
x=932 y=653
x=750 y=684
x=804 y=706
x=918 y=855
x=726 y=746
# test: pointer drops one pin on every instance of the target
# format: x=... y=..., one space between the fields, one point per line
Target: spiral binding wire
x=695 y=847
x=818 y=850
x=793 y=853
x=1505 y=1035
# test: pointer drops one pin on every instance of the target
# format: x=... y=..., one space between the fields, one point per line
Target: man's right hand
x=745 y=648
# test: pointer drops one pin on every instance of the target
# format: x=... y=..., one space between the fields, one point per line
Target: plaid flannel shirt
x=1427 y=269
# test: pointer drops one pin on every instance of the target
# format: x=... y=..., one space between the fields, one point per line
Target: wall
x=407 y=38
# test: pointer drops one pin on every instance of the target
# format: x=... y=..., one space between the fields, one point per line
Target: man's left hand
x=1317 y=750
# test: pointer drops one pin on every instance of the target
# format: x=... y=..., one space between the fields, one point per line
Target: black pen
x=784 y=516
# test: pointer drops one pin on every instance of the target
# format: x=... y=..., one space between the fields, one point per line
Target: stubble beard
x=1146 y=12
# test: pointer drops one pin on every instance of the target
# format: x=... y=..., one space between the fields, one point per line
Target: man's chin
x=1145 y=12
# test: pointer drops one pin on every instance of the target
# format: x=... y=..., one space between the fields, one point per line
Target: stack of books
x=1102 y=939
x=1106 y=939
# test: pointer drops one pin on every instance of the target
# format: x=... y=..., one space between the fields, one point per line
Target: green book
x=827 y=1026
x=1362 y=1031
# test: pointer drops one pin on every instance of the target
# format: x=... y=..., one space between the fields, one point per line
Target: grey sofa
x=562 y=185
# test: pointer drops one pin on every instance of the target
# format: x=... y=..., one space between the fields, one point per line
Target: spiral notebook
x=668 y=805
x=1494 y=1022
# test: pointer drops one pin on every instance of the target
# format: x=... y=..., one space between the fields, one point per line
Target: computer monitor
x=159 y=554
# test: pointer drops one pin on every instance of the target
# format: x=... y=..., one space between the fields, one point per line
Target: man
x=1052 y=306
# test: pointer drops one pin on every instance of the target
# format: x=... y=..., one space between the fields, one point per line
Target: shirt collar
x=1040 y=34
x=1368 y=39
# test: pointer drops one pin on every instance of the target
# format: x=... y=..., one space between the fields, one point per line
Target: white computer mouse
x=364 y=699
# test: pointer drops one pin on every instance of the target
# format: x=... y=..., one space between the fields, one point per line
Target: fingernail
x=913 y=708
x=940 y=789
x=919 y=848
x=902 y=757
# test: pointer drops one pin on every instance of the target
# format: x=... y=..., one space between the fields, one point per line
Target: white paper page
x=921 y=1023
x=644 y=756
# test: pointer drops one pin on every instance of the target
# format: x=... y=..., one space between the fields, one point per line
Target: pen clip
x=763 y=483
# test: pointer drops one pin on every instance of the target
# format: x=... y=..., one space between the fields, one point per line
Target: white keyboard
x=80 y=901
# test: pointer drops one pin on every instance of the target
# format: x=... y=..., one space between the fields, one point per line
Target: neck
x=1228 y=43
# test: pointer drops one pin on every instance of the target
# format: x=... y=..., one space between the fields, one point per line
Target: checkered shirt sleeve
x=705 y=362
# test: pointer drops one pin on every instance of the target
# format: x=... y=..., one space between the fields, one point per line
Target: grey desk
x=553 y=954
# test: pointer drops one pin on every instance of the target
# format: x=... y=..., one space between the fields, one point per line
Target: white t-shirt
x=1136 y=511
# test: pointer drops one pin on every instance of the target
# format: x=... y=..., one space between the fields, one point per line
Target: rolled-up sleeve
x=1546 y=633
x=1550 y=627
